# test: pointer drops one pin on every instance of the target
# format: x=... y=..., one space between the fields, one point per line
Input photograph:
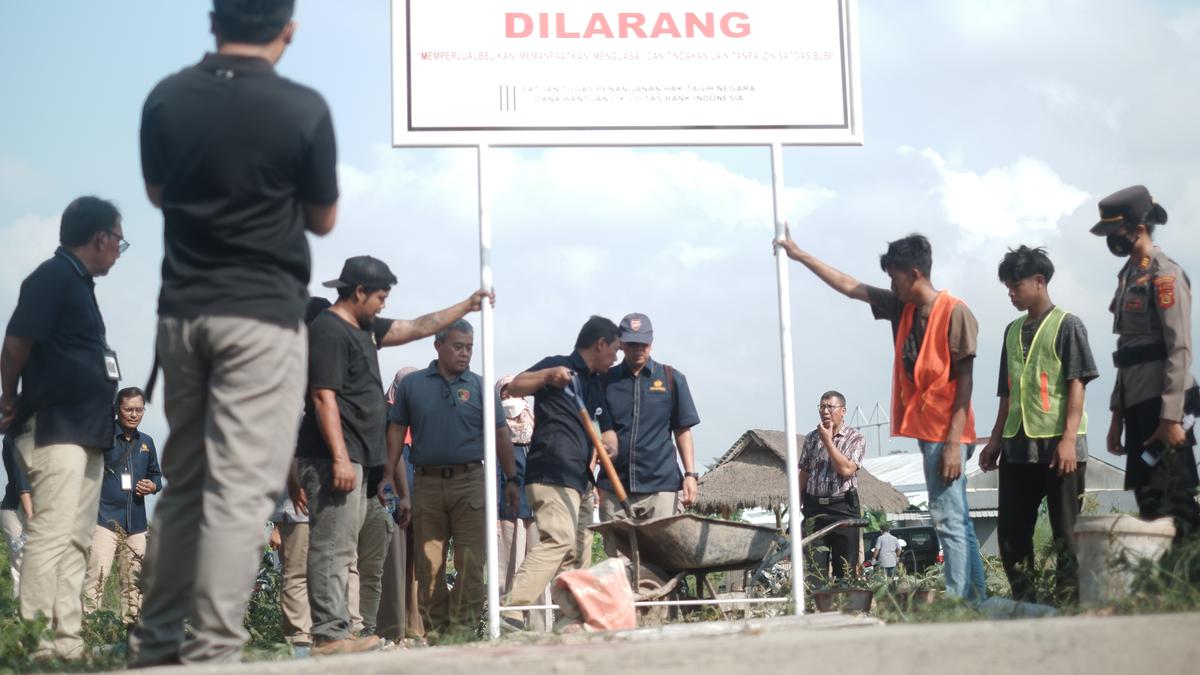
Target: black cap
x=365 y=271
x=636 y=327
x=1132 y=205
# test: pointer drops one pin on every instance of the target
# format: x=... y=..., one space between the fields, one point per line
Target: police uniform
x=1152 y=319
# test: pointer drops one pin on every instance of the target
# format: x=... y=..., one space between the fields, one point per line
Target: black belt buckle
x=447 y=472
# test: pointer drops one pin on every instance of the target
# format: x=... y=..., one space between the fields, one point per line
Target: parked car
x=919 y=547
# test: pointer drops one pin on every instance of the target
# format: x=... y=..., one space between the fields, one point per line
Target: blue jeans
x=952 y=521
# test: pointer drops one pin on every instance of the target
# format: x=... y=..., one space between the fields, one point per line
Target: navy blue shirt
x=64 y=386
x=446 y=416
x=646 y=409
x=561 y=451
x=17 y=485
x=138 y=457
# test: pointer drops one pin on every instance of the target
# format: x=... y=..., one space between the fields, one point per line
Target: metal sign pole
x=789 y=384
x=487 y=344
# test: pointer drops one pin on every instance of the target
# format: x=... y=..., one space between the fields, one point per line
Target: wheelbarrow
x=687 y=544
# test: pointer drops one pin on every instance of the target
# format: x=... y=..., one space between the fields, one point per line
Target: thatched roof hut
x=751 y=475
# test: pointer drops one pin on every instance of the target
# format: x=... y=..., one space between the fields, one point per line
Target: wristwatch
x=691 y=474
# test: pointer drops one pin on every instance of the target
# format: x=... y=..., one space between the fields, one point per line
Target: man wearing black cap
x=1155 y=397
x=242 y=162
x=344 y=430
x=653 y=415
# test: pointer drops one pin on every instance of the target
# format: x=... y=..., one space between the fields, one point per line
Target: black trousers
x=1022 y=489
x=1169 y=487
x=839 y=547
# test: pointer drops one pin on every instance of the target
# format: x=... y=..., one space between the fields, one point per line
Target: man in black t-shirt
x=61 y=423
x=242 y=163
x=344 y=430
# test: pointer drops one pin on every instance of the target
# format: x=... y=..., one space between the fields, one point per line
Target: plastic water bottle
x=389 y=499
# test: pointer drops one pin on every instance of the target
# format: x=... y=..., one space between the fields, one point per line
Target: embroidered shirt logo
x=657 y=386
x=464 y=395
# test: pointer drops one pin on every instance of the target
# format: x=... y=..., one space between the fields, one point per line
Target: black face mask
x=1120 y=245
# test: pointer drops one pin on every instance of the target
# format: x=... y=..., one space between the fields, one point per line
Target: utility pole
x=879 y=418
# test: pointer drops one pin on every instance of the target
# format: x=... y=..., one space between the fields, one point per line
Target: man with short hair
x=934 y=338
x=442 y=405
x=653 y=415
x=557 y=470
x=242 y=163
x=61 y=422
x=343 y=430
x=829 y=463
x=886 y=553
x=1039 y=440
x=131 y=474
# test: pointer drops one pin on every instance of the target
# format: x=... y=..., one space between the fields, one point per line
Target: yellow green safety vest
x=1037 y=393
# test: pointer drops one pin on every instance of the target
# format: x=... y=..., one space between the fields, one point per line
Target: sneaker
x=350 y=645
x=511 y=625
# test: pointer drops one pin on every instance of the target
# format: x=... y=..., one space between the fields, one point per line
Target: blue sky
x=987 y=124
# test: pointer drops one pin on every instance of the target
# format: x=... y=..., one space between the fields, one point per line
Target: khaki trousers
x=514 y=539
x=293 y=592
x=64 y=483
x=556 y=513
x=445 y=509
x=645 y=505
x=399 y=617
x=129 y=550
x=234 y=394
x=13 y=523
x=366 y=576
x=583 y=536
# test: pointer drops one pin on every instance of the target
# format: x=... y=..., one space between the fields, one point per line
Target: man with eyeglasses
x=829 y=466
x=443 y=406
x=343 y=430
x=61 y=420
x=131 y=474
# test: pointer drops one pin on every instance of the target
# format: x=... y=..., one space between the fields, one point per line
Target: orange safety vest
x=921 y=405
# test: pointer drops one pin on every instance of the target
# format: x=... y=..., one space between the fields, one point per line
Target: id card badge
x=112 y=370
x=126 y=482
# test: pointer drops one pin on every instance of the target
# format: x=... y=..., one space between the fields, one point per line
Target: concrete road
x=1146 y=645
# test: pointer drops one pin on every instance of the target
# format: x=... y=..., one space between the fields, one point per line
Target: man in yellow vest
x=934 y=336
x=1040 y=436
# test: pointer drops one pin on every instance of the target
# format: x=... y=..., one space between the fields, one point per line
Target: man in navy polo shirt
x=443 y=405
x=557 y=470
x=653 y=415
x=62 y=420
x=130 y=475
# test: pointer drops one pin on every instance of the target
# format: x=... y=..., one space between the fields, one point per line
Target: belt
x=1132 y=356
x=446 y=470
x=826 y=500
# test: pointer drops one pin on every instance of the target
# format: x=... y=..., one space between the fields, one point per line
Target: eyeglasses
x=122 y=245
x=446 y=394
x=828 y=407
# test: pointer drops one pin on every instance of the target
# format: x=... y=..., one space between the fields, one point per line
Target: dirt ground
x=1159 y=644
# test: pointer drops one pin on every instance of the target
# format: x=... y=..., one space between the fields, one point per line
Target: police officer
x=1155 y=394
x=653 y=415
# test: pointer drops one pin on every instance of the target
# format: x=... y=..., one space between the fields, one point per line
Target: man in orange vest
x=934 y=336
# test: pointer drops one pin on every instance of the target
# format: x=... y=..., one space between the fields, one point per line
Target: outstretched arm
x=837 y=280
x=404 y=331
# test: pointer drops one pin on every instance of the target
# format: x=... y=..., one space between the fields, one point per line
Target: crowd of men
x=276 y=403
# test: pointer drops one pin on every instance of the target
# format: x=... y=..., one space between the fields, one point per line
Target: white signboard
x=625 y=72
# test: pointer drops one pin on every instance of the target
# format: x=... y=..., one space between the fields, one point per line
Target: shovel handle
x=606 y=462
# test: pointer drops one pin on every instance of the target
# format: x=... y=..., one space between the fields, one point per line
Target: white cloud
x=19 y=180
x=1026 y=196
x=28 y=241
x=693 y=255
